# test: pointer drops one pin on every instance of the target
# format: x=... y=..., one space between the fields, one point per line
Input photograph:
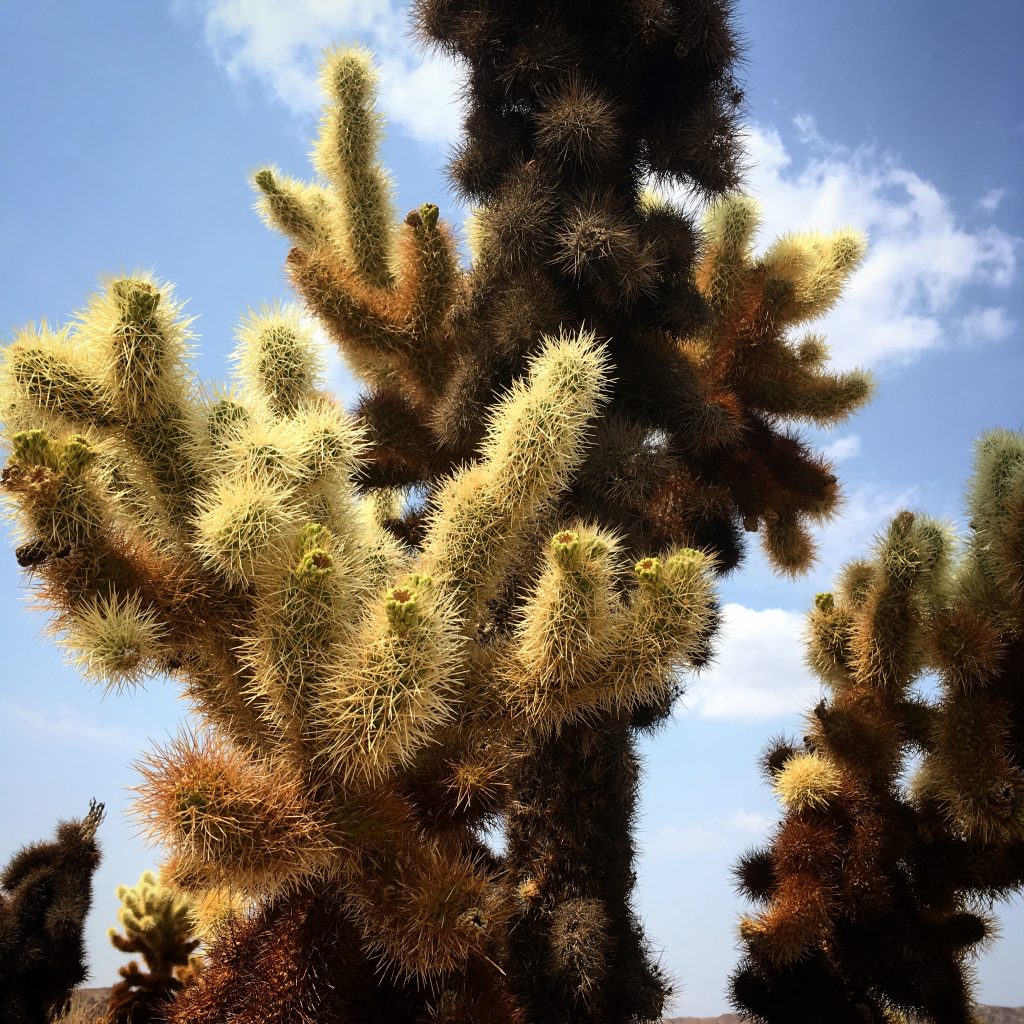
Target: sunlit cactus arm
x=535 y=439
x=346 y=155
x=48 y=381
x=300 y=622
x=157 y=923
x=977 y=768
x=56 y=491
x=570 y=624
x=913 y=561
x=232 y=819
x=369 y=331
x=728 y=229
x=578 y=650
x=996 y=504
x=140 y=341
x=277 y=358
x=301 y=212
x=392 y=688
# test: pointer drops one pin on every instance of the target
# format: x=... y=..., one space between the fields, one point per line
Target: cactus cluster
x=158 y=924
x=458 y=606
x=332 y=665
x=572 y=113
x=45 y=895
x=903 y=814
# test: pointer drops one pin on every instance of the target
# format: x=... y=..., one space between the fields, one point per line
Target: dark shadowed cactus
x=46 y=895
x=875 y=891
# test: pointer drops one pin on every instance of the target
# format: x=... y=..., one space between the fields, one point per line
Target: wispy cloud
x=923 y=258
x=987 y=325
x=842 y=448
x=279 y=45
x=992 y=199
x=65 y=724
x=722 y=834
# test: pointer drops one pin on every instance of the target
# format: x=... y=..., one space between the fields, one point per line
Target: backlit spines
x=158 y=924
x=116 y=641
x=242 y=523
x=534 y=442
x=346 y=155
x=729 y=228
x=140 y=339
x=389 y=694
x=231 y=819
x=47 y=378
x=58 y=498
x=569 y=625
x=302 y=618
x=301 y=212
x=278 y=358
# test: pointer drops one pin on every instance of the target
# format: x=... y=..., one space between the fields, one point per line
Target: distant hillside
x=987 y=1014
x=91 y=1002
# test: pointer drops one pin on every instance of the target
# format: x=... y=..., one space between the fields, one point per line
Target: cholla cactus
x=47 y=892
x=569 y=114
x=873 y=887
x=157 y=923
x=327 y=659
x=359 y=610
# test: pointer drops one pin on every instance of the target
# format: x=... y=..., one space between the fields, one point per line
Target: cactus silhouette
x=157 y=923
x=458 y=606
x=46 y=895
x=872 y=890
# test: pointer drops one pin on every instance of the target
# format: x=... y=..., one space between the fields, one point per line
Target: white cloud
x=921 y=259
x=846 y=447
x=990 y=201
x=280 y=45
x=986 y=325
x=759 y=671
x=64 y=723
x=723 y=834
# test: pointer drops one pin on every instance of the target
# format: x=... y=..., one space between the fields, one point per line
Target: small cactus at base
x=158 y=924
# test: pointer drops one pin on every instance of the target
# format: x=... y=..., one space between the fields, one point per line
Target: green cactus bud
x=32 y=447
x=648 y=571
x=429 y=213
x=76 y=455
x=402 y=604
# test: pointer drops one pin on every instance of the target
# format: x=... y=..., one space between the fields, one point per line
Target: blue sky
x=129 y=133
